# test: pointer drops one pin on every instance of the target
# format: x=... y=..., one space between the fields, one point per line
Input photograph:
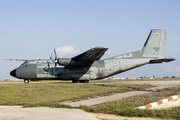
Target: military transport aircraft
x=88 y=66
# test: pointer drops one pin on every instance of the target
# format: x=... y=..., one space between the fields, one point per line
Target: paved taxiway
x=171 y=82
x=44 y=113
x=142 y=82
x=100 y=100
x=68 y=114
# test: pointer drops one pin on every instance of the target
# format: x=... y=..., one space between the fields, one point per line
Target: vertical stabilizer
x=155 y=45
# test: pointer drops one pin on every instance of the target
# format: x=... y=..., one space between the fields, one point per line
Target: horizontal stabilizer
x=161 y=60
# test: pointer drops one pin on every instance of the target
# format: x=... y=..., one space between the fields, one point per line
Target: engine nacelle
x=68 y=62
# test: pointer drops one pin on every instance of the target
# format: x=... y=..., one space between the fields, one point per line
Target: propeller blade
x=55 y=54
x=55 y=61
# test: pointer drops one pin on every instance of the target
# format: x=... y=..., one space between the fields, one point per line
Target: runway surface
x=104 y=82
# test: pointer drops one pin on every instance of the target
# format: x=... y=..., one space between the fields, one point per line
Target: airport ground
x=161 y=89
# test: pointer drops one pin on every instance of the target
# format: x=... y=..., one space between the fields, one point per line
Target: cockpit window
x=24 y=64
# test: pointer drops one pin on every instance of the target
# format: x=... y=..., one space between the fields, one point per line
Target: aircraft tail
x=155 y=45
x=154 y=48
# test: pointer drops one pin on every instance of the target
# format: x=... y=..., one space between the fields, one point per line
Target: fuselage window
x=24 y=64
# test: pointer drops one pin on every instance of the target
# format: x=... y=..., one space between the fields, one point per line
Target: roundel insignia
x=128 y=64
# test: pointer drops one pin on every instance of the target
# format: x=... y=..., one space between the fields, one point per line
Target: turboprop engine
x=68 y=62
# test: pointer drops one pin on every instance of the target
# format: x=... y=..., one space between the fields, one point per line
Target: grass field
x=32 y=95
x=127 y=106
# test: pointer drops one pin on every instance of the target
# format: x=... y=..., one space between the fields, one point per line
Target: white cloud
x=65 y=51
x=25 y=46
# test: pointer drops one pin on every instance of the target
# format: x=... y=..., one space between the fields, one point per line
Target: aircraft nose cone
x=13 y=73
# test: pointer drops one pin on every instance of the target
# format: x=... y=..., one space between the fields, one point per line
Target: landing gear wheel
x=80 y=81
x=26 y=81
x=86 y=81
x=76 y=81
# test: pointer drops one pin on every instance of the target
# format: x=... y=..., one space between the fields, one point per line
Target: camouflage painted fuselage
x=44 y=69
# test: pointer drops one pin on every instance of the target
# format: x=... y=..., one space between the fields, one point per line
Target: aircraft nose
x=13 y=73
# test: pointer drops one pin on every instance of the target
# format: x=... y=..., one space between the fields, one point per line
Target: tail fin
x=155 y=45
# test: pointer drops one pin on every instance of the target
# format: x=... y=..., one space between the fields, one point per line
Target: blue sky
x=31 y=29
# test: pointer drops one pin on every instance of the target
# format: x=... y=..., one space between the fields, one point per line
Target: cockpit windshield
x=24 y=64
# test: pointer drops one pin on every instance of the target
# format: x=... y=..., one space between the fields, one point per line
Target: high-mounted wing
x=91 y=55
x=85 y=58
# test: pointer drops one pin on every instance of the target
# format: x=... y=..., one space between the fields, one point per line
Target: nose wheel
x=26 y=81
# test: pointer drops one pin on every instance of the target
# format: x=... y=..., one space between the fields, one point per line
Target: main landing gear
x=26 y=81
x=80 y=81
